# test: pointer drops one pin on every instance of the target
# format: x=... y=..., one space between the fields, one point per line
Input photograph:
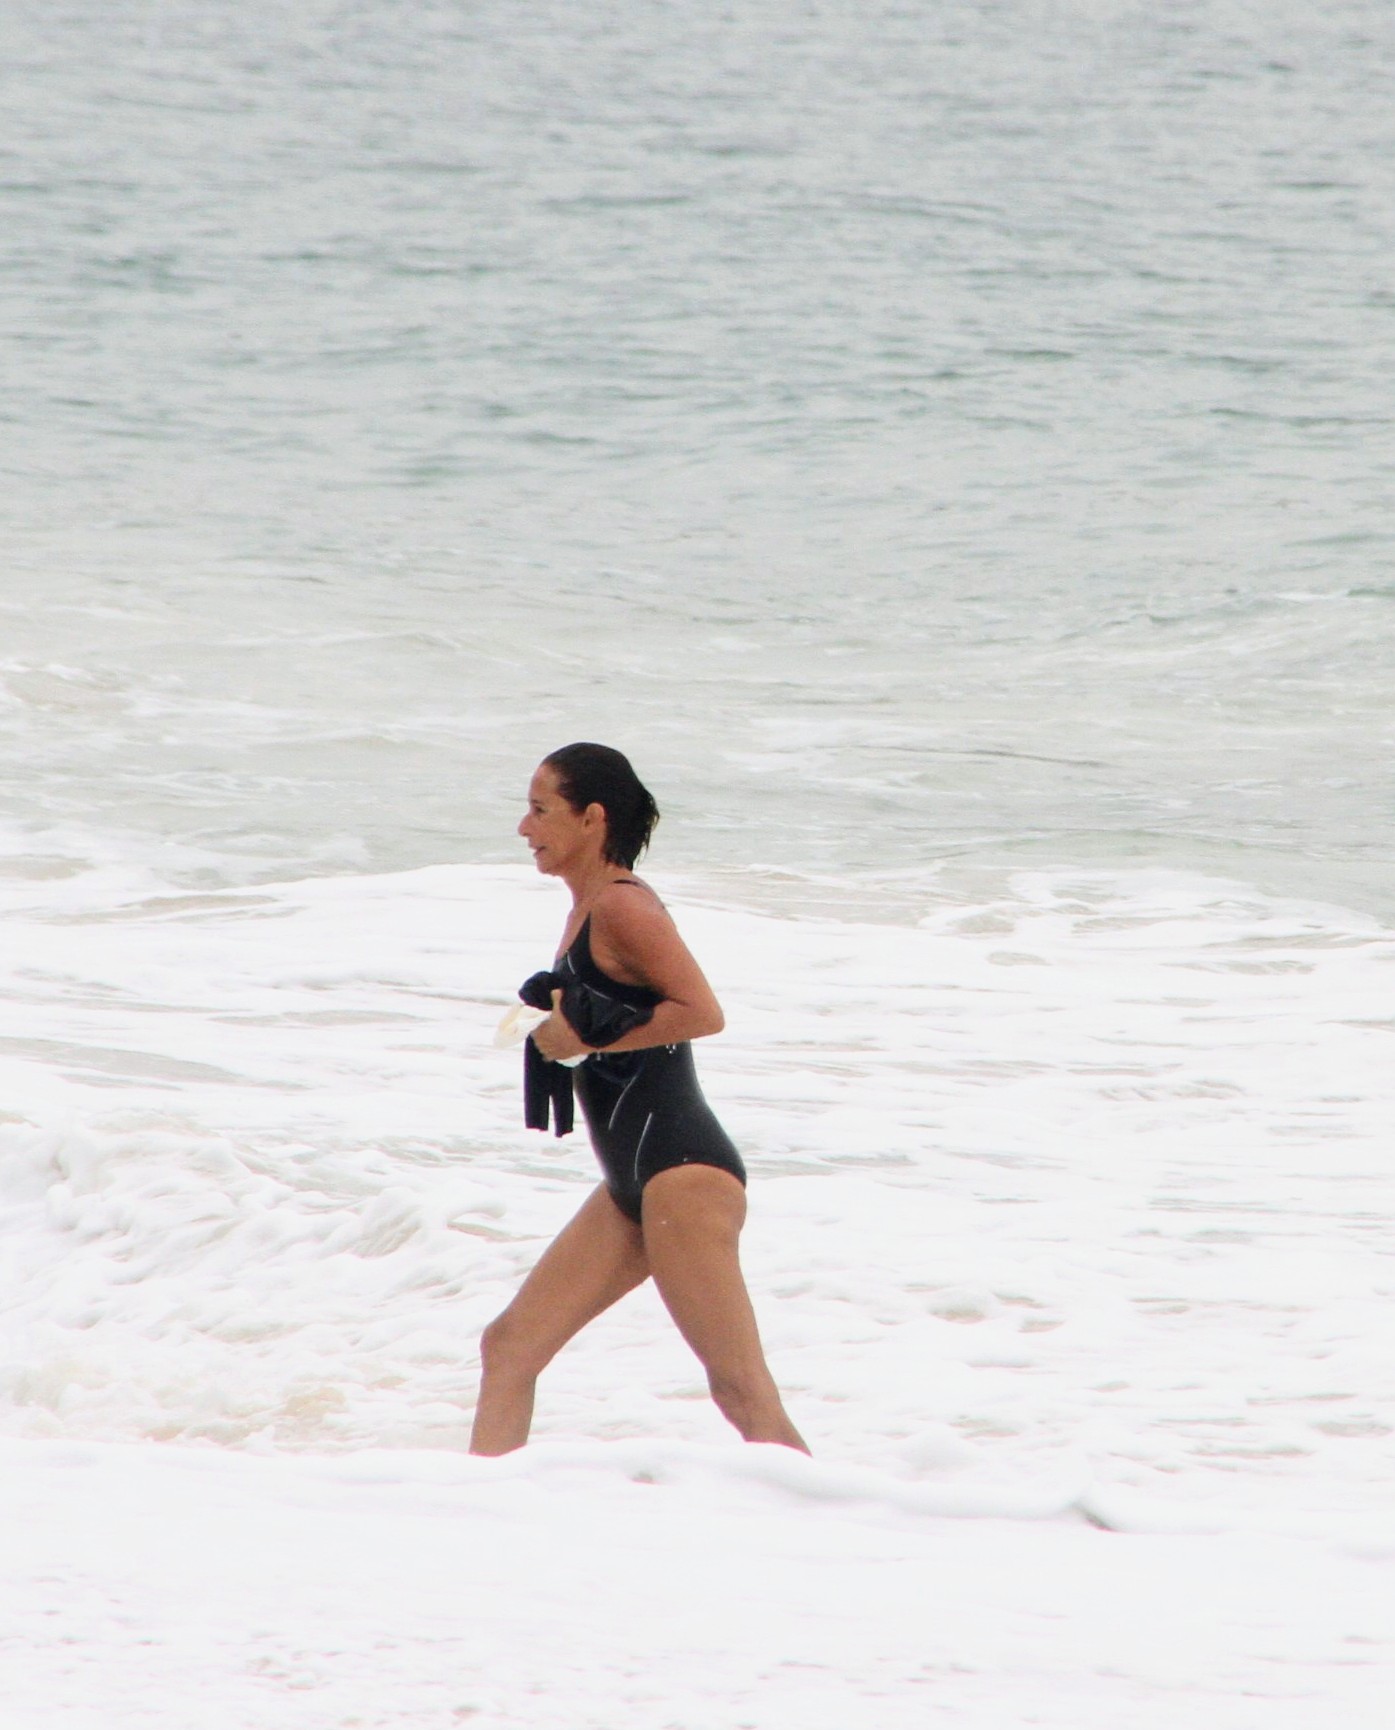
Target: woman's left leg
x=595 y=1259
x=692 y=1219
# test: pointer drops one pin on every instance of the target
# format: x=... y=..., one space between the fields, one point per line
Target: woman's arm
x=635 y=941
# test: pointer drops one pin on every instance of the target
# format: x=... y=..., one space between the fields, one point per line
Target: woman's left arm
x=634 y=940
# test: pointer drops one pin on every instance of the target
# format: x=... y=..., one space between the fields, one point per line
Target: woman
x=673 y=1201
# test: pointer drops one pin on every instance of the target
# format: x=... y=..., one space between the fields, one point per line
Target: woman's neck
x=587 y=881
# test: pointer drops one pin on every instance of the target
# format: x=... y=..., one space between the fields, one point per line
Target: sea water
x=933 y=438
x=949 y=447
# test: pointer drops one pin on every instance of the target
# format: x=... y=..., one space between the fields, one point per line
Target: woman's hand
x=556 y=1037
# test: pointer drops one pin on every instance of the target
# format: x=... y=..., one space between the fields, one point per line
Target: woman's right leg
x=593 y=1261
x=693 y=1216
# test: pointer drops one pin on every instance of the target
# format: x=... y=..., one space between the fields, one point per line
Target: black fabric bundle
x=599 y=1020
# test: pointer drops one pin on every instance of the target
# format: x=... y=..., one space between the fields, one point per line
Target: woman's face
x=558 y=834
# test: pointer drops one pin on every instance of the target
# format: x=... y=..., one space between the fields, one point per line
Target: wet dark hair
x=596 y=775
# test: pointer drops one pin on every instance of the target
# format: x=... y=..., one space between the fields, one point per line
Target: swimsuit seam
x=639 y=1146
x=610 y=1122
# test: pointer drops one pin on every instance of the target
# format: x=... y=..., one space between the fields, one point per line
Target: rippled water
x=932 y=438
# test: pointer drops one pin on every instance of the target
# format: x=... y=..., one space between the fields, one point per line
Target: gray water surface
x=931 y=438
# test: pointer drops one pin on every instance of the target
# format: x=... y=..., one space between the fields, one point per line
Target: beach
x=949 y=450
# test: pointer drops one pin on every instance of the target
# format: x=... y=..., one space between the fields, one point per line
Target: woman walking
x=673 y=1199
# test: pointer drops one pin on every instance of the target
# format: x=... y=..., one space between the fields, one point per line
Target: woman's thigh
x=593 y=1261
x=693 y=1216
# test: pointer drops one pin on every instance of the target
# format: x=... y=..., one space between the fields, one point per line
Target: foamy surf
x=1095 y=1174
x=613 y=1587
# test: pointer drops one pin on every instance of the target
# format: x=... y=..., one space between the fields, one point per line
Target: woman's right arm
x=634 y=940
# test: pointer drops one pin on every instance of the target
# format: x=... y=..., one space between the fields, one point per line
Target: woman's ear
x=595 y=814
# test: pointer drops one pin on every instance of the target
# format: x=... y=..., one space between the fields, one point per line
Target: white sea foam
x=1089 y=1185
x=616 y=1586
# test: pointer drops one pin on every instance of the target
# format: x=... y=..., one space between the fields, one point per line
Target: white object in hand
x=518 y=1023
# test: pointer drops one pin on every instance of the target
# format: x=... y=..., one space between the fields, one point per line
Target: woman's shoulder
x=627 y=892
x=627 y=911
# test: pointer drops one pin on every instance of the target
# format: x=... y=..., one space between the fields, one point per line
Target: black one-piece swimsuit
x=644 y=1109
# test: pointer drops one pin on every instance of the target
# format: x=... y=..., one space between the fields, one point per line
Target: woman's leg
x=592 y=1262
x=693 y=1216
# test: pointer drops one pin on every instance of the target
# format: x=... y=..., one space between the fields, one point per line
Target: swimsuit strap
x=583 y=937
x=586 y=968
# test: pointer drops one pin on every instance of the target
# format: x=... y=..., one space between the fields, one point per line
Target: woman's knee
x=506 y=1350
